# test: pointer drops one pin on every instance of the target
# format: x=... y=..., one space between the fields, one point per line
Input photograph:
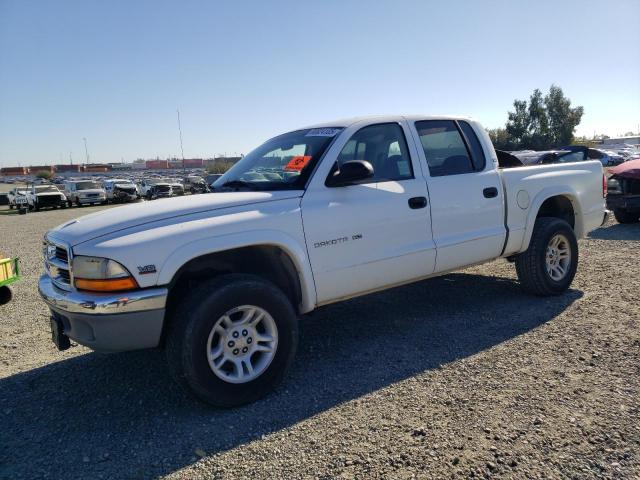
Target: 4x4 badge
x=147 y=269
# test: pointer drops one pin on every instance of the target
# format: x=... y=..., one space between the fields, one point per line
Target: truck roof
x=346 y=122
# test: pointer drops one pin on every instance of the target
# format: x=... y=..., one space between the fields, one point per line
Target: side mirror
x=352 y=172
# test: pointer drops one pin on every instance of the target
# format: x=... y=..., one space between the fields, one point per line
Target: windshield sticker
x=297 y=163
x=323 y=132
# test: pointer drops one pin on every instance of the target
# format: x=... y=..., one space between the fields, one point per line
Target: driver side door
x=376 y=234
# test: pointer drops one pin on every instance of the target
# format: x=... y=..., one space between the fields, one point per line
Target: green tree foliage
x=220 y=167
x=542 y=123
x=44 y=174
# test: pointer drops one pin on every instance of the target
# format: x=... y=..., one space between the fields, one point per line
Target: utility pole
x=86 y=151
x=184 y=172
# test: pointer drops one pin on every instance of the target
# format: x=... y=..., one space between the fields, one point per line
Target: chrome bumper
x=101 y=303
x=108 y=322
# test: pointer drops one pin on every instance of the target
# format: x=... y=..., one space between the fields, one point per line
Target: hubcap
x=558 y=257
x=242 y=344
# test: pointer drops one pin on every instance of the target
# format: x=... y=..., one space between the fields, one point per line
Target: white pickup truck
x=311 y=217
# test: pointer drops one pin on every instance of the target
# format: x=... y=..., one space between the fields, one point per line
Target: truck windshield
x=46 y=188
x=86 y=185
x=282 y=163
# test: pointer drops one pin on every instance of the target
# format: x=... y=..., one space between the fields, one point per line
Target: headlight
x=101 y=275
x=613 y=186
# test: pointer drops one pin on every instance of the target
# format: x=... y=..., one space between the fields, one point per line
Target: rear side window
x=477 y=154
x=444 y=148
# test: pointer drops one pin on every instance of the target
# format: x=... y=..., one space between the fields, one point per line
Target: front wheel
x=622 y=216
x=549 y=264
x=232 y=340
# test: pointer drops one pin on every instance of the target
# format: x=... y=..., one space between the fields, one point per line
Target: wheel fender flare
x=204 y=246
x=540 y=198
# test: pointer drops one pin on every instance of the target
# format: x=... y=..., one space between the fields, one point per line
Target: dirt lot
x=461 y=376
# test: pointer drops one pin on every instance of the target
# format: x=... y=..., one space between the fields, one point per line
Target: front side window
x=282 y=163
x=384 y=147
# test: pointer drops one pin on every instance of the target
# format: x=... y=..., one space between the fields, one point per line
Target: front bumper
x=628 y=203
x=112 y=322
x=84 y=200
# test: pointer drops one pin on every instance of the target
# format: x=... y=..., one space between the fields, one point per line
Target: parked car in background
x=152 y=188
x=195 y=184
x=84 y=192
x=608 y=158
x=311 y=217
x=623 y=192
x=212 y=177
x=120 y=190
x=45 y=196
x=17 y=197
x=177 y=189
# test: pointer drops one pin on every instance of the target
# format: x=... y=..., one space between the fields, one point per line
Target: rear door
x=467 y=199
x=364 y=237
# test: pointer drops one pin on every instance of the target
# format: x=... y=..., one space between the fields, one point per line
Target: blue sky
x=240 y=72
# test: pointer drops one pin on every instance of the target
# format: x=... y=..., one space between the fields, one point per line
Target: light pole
x=86 y=150
x=181 y=149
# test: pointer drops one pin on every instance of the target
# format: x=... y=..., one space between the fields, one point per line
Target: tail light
x=604 y=186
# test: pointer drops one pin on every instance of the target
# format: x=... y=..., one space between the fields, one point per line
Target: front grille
x=64 y=276
x=163 y=188
x=56 y=259
x=48 y=200
x=129 y=190
x=61 y=254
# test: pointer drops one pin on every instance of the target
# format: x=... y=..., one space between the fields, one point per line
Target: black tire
x=190 y=325
x=78 y=204
x=622 y=216
x=69 y=203
x=36 y=207
x=6 y=294
x=10 y=207
x=531 y=265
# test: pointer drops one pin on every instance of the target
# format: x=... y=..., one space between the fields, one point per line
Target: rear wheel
x=549 y=264
x=232 y=340
x=622 y=216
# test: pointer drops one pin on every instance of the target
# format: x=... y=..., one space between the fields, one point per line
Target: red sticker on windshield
x=297 y=163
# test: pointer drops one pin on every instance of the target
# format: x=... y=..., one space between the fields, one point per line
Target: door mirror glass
x=351 y=173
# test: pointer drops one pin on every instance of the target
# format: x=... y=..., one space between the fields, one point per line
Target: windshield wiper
x=237 y=185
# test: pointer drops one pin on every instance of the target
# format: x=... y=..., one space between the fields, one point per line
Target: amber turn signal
x=111 y=285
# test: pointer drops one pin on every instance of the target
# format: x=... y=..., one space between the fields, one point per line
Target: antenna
x=181 y=149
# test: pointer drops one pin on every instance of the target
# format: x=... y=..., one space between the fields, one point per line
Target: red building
x=75 y=168
x=157 y=164
x=12 y=171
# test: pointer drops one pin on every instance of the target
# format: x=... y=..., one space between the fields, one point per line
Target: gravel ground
x=460 y=376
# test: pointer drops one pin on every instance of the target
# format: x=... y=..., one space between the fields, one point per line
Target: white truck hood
x=91 y=190
x=120 y=218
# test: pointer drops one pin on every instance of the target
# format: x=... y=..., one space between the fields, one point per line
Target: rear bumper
x=108 y=322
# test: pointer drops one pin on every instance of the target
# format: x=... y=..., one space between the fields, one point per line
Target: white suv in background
x=84 y=192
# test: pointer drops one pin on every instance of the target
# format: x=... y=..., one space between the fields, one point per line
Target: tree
x=563 y=119
x=44 y=175
x=220 y=167
x=543 y=122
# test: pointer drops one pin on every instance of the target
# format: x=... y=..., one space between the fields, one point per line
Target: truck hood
x=120 y=218
x=630 y=169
